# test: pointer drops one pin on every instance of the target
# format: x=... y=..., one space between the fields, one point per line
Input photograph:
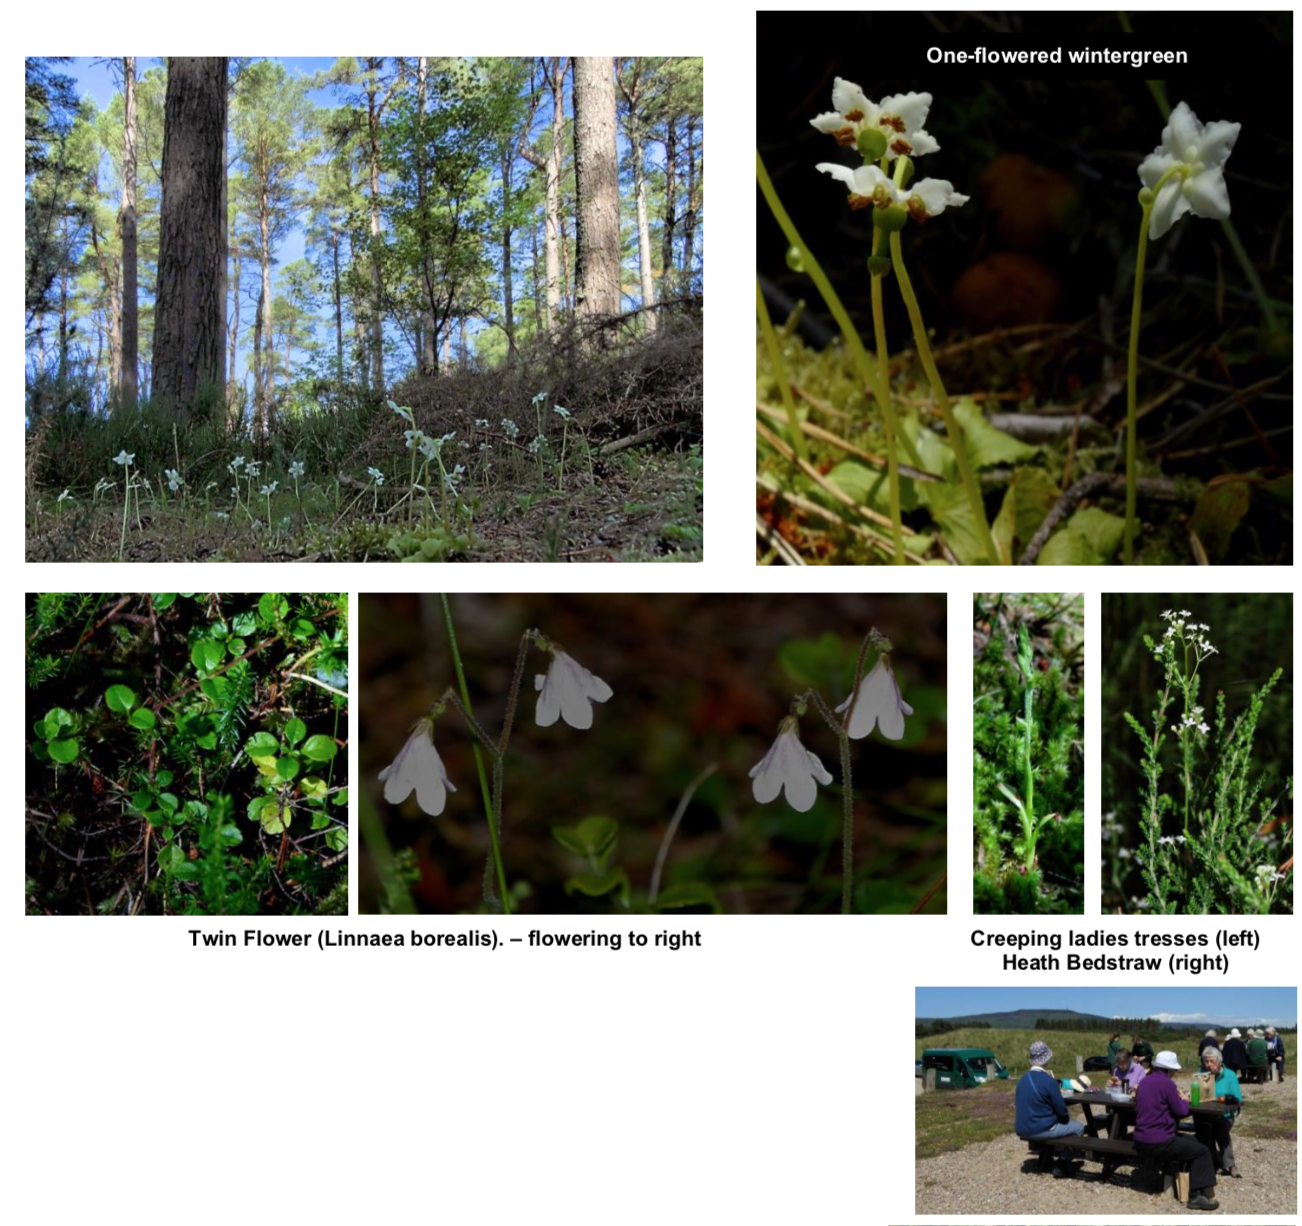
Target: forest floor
x=559 y=456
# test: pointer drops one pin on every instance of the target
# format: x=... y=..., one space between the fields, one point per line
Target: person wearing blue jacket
x=1041 y=1113
x=1275 y=1052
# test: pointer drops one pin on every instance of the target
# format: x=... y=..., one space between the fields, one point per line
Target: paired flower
x=418 y=768
x=789 y=765
x=877 y=703
x=568 y=692
x=1187 y=170
x=268 y=490
x=891 y=129
x=869 y=185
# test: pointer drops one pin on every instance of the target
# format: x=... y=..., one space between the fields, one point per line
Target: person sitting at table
x=1159 y=1107
x=1257 y=1054
x=1275 y=1052
x=1208 y=1040
x=1041 y=1113
x=1214 y=1130
x=1114 y=1046
x=1142 y=1050
x=1127 y=1072
x=1235 y=1052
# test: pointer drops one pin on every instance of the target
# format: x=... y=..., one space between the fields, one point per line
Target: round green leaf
x=143 y=718
x=207 y=655
x=286 y=767
x=235 y=646
x=40 y=752
x=39 y=729
x=312 y=786
x=219 y=630
x=163 y=600
x=244 y=624
x=141 y=800
x=168 y=802
x=337 y=839
x=320 y=748
x=295 y=731
x=272 y=607
x=120 y=699
x=55 y=719
x=260 y=744
x=163 y=778
x=64 y=751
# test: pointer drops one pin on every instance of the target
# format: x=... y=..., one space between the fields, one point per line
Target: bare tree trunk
x=189 y=316
x=596 y=180
x=508 y=290
x=127 y=391
x=567 y=285
x=551 y=166
x=631 y=86
x=234 y=330
x=670 y=220
x=339 y=308
x=361 y=346
x=689 y=218
x=259 y=368
x=264 y=310
x=537 y=297
x=447 y=349
x=465 y=352
x=425 y=330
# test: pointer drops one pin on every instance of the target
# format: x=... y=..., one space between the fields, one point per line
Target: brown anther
x=917 y=210
x=860 y=202
x=854 y=116
x=844 y=136
x=894 y=122
x=901 y=146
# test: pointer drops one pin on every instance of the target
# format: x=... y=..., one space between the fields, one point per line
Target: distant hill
x=1016 y=1019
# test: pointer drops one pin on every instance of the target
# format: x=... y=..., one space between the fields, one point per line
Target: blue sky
x=1273 y=1006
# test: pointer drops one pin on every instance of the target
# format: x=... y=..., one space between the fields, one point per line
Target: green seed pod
x=892 y=218
x=1146 y=196
x=904 y=172
x=879 y=266
x=795 y=261
x=872 y=144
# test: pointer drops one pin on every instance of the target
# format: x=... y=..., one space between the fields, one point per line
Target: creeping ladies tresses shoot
x=1184 y=174
x=874 y=701
x=567 y=692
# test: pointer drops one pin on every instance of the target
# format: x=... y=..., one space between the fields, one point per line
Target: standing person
x=1114 y=1046
x=1235 y=1052
x=1214 y=1131
x=1256 y=1051
x=1041 y=1113
x=1208 y=1040
x=1159 y=1107
x=1142 y=1050
x=1275 y=1052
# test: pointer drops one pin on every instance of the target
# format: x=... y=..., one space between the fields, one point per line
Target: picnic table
x=1119 y=1113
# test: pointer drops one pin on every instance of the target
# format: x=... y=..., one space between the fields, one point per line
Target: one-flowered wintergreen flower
x=890 y=129
x=869 y=185
x=1187 y=170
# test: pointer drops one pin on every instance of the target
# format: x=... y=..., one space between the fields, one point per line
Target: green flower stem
x=952 y=427
x=479 y=759
x=816 y=274
x=883 y=376
x=847 y=827
x=780 y=374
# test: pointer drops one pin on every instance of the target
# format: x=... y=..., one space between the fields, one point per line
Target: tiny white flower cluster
x=1194 y=719
x=481 y=423
x=1266 y=874
x=255 y=469
x=235 y=465
x=1172 y=839
x=174 y=479
x=536 y=444
x=512 y=430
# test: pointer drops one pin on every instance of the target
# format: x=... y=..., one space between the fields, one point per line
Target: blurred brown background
x=697 y=679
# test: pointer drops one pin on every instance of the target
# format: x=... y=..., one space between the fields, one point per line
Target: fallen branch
x=1158 y=489
x=634 y=440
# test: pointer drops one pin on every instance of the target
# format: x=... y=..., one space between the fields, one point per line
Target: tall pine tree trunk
x=671 y=216
x=377 y=288
x=189 y=315
x=508 y=293
x=234 y=330
x=596 y=179
x=643 y=227
x=264 y=311
x=127 y=390
x=689 y=218
x=537 y=296
x=425 y=331
x=339 y=308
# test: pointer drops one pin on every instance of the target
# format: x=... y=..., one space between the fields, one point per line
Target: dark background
x=697 y=679
x=1050 y=161
x=1253 y=635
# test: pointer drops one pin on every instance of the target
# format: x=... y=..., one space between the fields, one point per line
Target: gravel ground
x=999 y=1177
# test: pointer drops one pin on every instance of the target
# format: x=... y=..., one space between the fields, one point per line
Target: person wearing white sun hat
x=1159 y=1107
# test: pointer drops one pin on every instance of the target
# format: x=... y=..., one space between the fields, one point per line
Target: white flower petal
x=923 y=142
x=910 y=108
x=1155 y=165
x=418 y=767
x=850 y=100
x=1170 y=205
x=1217 y=142
x=829 y=121
x=1207 y=194
x=841 y=173
x=1182 y=131
x=569 y=690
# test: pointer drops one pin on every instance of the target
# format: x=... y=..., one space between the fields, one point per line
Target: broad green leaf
x=39 y=729
x=340 y=797
x=302 y=628
x=593 y=836
x=258 y=803
x=286 y=767
x=1030 y=497
x=272 y=607
x=168 y=802
x=55 y=719
x=320 y=748
x=64 y=751
x=207 y=655
x=1220 y=510
x=231 y=836
x=143 y=718
x=244 y=624
x=219 y=631
x=295 y=731
x=986 y=445
x=163 y=600
x=1089 y=538
x=337 y=838
x=694 y=894
x=119 y=698
x=594 y=885
x=163 y=778
x=262 y=743
x=236 y=647
x=155 y=817
x=870 y=487
x=207 y=741
x=320 y=819
x=952 y=511
x=40 y=751
x=215 y=688
x=312 y=786
x=142 y=799
x=826 y=662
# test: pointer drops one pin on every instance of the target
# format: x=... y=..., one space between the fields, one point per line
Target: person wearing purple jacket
x=1159 y=1107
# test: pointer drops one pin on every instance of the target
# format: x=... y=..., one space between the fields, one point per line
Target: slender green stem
x=816 y=274
x=780 y=374
x=847 y=828
x=479 y=759
x=952 y=428
x=1132 y=371
x=883 y=377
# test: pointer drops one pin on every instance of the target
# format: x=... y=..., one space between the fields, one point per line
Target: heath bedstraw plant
x=893 y=132
x=1215 y=862
x=565 y=692
x=1184 y=174
x=874 y=702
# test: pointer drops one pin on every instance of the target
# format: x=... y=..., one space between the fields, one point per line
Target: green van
x=958 y=1068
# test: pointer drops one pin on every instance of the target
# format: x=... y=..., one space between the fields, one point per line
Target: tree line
x=437 y=198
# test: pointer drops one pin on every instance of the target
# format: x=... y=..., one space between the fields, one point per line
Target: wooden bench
x=1255 y=1074
x=1115 y=1153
